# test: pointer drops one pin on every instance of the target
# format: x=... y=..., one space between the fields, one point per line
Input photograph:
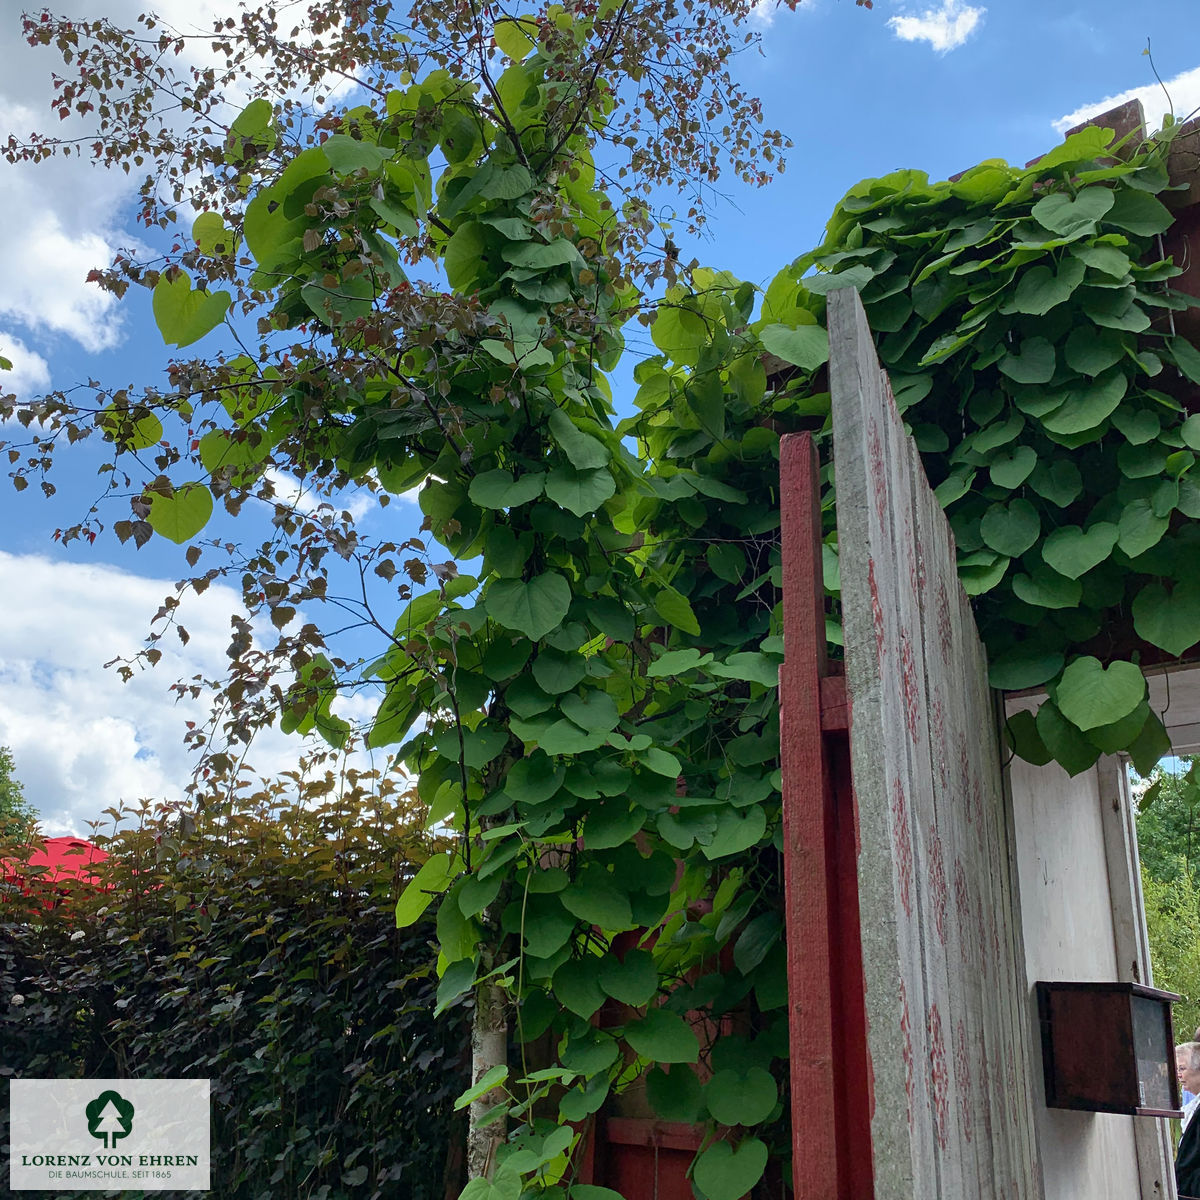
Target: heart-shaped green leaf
x=663 y=1037
x=580 y=492
x=181 y=514
x=533 y=608
x=1048 y=589
x=1071 y=750
x=736 y=1098
x=577 y=985
x=1025 y=666
x=1042 y=289
x=595 y=711
x=1011 y=528
x=1091 y=351
x=1072 y=551
x=1087 y=406
x=1090 y=694
x=584 y=451
x=723 y=1173
x=1032 y=363
x=1022 y=735
x=594 y=898
x=736 y=831
x=632 y=979
x=1058 y=482
x=1140 y=528
x=498 y=489
x=1068 y=216
x=1170 y=620
x=183 y=314
x=1011 y=470
x=806 y=346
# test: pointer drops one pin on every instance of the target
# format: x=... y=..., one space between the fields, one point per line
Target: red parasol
x=58 y=860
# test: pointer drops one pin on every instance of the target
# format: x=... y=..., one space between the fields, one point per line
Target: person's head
x=1187 y=1066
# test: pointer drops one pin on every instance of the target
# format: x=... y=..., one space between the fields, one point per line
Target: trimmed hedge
x=254 y=944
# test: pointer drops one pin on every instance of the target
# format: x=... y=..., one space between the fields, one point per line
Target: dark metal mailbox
x=1109 y=1047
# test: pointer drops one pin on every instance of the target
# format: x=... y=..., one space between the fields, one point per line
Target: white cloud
x=63 y=217
x=81 y=739
x=30 y=372
x=1184 y=91
x=944 y=28
x=306 y=499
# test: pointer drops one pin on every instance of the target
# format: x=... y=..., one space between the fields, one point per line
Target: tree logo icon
x=109 y=1117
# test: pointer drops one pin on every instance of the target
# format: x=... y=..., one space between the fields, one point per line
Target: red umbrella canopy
x=67 y=858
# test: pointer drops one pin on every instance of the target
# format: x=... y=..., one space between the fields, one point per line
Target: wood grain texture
x=942 y=952
x=808 y=913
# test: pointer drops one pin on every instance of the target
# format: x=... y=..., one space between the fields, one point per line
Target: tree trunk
x=489 y=1048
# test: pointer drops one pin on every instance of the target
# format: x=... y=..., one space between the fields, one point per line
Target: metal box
x=1109 y=1047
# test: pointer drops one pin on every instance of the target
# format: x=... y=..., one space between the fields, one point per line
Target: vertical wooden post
x=831 y=1147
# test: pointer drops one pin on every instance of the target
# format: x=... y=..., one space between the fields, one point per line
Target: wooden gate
x=911 y=1065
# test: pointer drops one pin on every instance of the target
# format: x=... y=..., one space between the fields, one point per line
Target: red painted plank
x=806 y=789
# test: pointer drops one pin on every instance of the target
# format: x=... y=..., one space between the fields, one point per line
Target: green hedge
x=254 y=945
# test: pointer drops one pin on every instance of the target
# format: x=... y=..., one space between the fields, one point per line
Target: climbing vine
x=1026 y=318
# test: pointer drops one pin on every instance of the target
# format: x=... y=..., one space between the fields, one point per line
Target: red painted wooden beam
x=830 y=1068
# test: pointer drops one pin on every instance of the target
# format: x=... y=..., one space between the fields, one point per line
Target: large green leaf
x=1011 y=470
x=1033 y=362
x=1086 y=406
x=580 y=492
x=1042 y=289
x=663 y=1037
x=1011 y=528
x=534 y=608
x=431 y=880
x=585 y=451
x=1048 y=589
x=541 y=255
x=805 y=346
x=736 y=831
x=464 y=252
x=1025 y=666
x=723 y=1173
x=1139 y=212
x=181 y=513
x=593 y=897
x=1091 y=351
x=741 y=1098
x=631 y=980
x=185 y=314
x=558 y=671
x=1069 y=216
x=347 y=154
x=1072 y=551
x=577 y=985
x=1071 y=750
x=675 y=609
x=498 y=488
x=1140 y=528
x=1090 y=694
x=595 y=711
x=516 y=36
x=1169 y=619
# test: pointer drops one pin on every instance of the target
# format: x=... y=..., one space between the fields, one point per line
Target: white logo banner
x=108 y=1135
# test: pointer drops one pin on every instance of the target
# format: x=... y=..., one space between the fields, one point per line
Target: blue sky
x=937 y=85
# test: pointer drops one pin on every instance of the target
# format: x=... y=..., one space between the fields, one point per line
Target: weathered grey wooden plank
x=942 y=955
